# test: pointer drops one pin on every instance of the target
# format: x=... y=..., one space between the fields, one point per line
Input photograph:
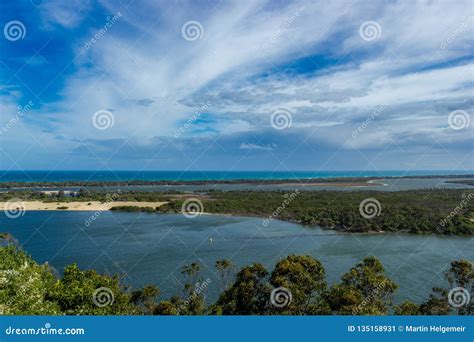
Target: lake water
x=151 y=248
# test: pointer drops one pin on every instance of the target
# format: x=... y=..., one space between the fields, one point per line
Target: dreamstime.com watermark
x=192 y=30
x=369 y=208
x=288 y=199
x=378 y=110
x=21 y=111
x=282 y=29
x=281 y=297
x=458 y=297
x=192 y=207
x=367 y=299
x=198 y=289
x=459 y=119
x=370 y=31
x=14 y=30
x=460 y=207
x=103 y=119
x=201 y=110
x=96 y=214
x=281 y=119
x=102 y=297
x=110 y=21
x=46 y=330
x=456 y=32
x=14 y=208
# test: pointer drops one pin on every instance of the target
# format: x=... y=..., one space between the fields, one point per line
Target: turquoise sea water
x=58 y=176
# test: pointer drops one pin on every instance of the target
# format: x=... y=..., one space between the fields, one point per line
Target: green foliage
x=459 y=275
x=407 y=308
x=24 y=285
x=364 y=290
x=305 y=278
x=248 y=295
x=75 y=293
x=414 y=211
x=27 y=288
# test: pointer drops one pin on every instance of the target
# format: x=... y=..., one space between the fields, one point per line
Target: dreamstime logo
x=102 y=297
x=281 y=119
x=14 y=208
x=370 y=30
x=110 y=21
x=369 y=208
x=378 y=110
x=198 y=289
x=14 y=30
x=201 y=110
x=192 y=30
x=288 y=199
x=281 y=297
x=459 y=119
x=454 y=34
x=458 y=296
x=103 y=119
x=282 y=29
x=380 y=287
x=22 y=110
x=192 y=207
x=109 y=199
x=463 y=204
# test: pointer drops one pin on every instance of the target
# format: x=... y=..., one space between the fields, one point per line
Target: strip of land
x=73 y=206
x=341 y=181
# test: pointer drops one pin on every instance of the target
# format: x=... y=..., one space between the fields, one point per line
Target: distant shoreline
x=334 y=181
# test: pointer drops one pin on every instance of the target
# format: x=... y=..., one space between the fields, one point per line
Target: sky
x=236 y=85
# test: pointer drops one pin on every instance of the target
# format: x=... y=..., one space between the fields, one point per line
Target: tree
x=304 y=277
x=456 y=298
x=193 y=303
x=249 y=295
x=89 y=293
x=407 y=308
x=364 y=290
x=224 y=267
x=145 y=298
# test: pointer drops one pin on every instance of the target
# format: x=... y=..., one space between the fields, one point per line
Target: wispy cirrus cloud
x=250 y=59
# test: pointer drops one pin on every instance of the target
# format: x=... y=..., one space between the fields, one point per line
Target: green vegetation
x=138 y=182
x=27 y=288
x=132 y=208
x=414 y=211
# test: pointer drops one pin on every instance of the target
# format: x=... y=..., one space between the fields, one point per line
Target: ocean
x=91 y=175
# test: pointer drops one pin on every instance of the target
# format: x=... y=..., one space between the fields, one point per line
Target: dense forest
x=412 y=211
x=296 y=286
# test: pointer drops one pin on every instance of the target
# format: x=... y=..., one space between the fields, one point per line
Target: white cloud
x=237 y=66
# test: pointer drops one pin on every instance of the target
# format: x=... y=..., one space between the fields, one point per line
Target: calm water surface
x=151 y=248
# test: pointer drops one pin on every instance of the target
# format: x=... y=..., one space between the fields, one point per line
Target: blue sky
x=236 y=85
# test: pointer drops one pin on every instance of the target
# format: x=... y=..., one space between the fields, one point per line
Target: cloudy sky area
x=374 y=99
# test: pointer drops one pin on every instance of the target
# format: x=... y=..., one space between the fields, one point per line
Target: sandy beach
x=73 y=206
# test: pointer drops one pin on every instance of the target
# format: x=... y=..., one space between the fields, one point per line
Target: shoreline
x=72 y=206
x=334 y=181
